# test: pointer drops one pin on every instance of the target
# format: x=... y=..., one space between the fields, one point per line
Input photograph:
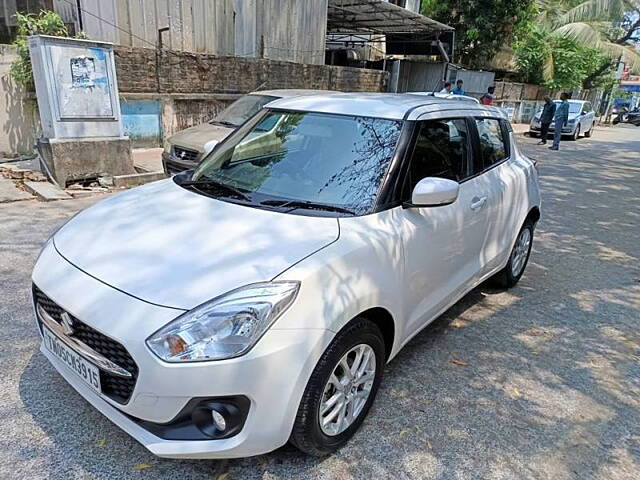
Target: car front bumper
x=272 y=376
x=537 y=128
x=173 y=165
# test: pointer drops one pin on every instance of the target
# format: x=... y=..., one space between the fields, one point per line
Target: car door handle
x=478 y=203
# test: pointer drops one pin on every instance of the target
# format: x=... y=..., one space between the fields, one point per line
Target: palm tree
x=609 y=26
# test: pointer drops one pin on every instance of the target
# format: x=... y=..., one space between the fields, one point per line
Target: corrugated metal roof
x=378 y=17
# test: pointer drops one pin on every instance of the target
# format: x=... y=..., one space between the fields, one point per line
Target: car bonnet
x=172 y=247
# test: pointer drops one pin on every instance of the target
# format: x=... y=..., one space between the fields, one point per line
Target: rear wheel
x=510 y=275
x=341 y=389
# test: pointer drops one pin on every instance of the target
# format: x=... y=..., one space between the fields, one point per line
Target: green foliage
x=45 y=23
x=556 y=62
x=482 y=26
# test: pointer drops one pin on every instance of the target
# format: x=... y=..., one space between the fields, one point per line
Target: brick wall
x=142 y=70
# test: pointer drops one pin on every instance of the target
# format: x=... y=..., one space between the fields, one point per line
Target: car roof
x=288 y=93
x=392 y=106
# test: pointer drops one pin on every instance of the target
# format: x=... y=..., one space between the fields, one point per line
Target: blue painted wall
x=142 y=122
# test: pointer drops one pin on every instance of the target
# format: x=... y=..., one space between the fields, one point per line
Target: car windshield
x=574 y=107
x=301 y=160
x=242 y=110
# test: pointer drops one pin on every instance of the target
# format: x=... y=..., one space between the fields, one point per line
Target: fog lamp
x=218 y=420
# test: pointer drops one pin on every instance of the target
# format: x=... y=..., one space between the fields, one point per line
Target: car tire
x=589 y=134
x=576 y=134
x=511 y=274
x=308 y=435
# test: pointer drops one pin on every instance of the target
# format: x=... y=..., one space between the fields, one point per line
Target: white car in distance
x=582 y=120
x=224 y=312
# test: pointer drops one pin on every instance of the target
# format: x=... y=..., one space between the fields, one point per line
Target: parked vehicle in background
x=186 y=148
x=625 y=116
x=582 y=119
x=634 y=117
x=256 y=300
x=448 y=96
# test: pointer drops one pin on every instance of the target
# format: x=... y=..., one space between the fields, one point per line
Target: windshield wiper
x=296 y=204
x=207 y=183
x=224 y=123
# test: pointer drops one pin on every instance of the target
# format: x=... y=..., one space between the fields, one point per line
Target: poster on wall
x=83 y=71
x=82 y=82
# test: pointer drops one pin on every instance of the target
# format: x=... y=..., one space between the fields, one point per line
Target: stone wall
x=523 y=100
x=520 y=91
x=142 y=70
x=191 y=88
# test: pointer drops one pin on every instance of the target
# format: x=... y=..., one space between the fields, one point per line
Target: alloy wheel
x=520 y=252
x=347 y=390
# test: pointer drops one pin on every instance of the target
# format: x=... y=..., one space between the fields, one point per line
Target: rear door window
x=441 y=150
x=493 y=147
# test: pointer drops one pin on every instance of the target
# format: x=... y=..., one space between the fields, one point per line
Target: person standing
x=548 y=112
x=488 y=98
x=447 y=88
x=459 y=90
x=561 y=119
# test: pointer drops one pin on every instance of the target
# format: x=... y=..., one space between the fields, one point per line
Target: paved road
x=551 y=386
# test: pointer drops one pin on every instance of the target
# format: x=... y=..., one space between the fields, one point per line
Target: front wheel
x=589 y=134
x=510 y=275
x=341 y=389
x=576 y=134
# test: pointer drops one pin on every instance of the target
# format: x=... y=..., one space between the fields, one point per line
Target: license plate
x=85 y=370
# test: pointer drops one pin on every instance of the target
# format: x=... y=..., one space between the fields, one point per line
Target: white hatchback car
x=256 y=300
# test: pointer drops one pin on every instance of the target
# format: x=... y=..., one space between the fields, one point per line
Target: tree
x=482 y=26
x=44 y=23
x=574 y=43
x=556 y=62
x=610 y=26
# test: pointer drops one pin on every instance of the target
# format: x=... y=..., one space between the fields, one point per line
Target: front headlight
x=167 y=146
x=225 y=327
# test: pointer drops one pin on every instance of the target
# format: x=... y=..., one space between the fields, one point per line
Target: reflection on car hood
x=176 y=248
x=197 y=137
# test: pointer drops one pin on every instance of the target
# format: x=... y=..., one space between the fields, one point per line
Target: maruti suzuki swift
x=255 y=300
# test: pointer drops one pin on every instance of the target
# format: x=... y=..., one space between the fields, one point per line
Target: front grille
x=185 y=154
x=173 y=168
x=115 y=387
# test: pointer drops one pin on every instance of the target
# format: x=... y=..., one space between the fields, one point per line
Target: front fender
x=363 y=269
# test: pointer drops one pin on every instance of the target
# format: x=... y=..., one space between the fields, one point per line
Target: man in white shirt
x=447 y=88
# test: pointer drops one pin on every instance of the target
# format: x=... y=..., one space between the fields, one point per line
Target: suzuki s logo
x=183 y=154
x=67 y=324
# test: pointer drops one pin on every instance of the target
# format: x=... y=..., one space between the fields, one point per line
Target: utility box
x=77 y=92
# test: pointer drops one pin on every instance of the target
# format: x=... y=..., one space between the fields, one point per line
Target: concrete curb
x=136 y=179
x=46 y=191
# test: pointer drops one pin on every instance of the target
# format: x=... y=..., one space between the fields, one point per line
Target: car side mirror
x=434 y=192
